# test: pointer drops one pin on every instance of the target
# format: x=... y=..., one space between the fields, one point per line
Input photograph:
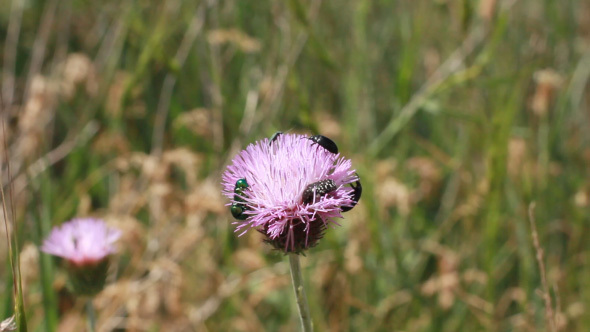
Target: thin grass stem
x=13 y=249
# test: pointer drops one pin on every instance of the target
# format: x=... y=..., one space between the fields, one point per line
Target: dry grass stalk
x=549 y=313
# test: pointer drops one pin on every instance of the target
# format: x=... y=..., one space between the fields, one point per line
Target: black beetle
x=325 y=142
x=358 y=190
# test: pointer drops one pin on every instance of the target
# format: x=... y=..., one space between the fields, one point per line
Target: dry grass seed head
x=185 y=160
x=205 y=197
x=155 y=169
x=352 y=256
x=199 y=121
x=136 y=107
x=473 y=202
x=581 y=198
x=71 y=322
x=575 y=310
x=29 y=264
x=547 y=82
x=148 y=300
x=335 y=288
x=431 y=61
x=111 y=302
x=169 y=278
x=393 y=193
x=237 y=37
x=248 y=259
x=78 y=69
x=115 y=94
x=486 y=9
x=127 y=198
x=517 y=149
x=133 y=236
x=446 y=283
x=514 y=294
x=5 y=136
x=328 y=125
x=430 y=177
x=9 y=324
x=266 y=88
x=184 y=241
x=111 y=143
x=35 y=116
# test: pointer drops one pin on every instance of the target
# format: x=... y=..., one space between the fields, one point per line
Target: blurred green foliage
x=457 y=115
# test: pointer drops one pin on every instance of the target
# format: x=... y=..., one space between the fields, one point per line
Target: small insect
x=241 y=184
x=237 y=209
x=317 y=190
x=274 y=137
x=358 y=190
x=325 y=142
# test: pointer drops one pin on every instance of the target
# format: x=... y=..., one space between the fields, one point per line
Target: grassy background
x=457 y=115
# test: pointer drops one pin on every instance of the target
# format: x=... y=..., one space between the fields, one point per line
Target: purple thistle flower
x=295 y=189
x=82 y=241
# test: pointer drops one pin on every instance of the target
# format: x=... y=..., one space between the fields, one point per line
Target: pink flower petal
x=81 y=240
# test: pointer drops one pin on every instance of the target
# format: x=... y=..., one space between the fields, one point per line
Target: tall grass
x=458 y=114
x=18 y=319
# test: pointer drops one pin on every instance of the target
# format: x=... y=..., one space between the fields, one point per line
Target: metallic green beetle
x=237 y=209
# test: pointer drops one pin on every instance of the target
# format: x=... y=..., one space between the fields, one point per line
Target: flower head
x=289 y=188
x=81 y=241
x=85 y=244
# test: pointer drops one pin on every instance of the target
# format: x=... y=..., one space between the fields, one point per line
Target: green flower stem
x=300 y=293
x=90 y=316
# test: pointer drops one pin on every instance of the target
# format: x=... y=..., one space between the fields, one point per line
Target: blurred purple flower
x=278 y=201
x=82 y=241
